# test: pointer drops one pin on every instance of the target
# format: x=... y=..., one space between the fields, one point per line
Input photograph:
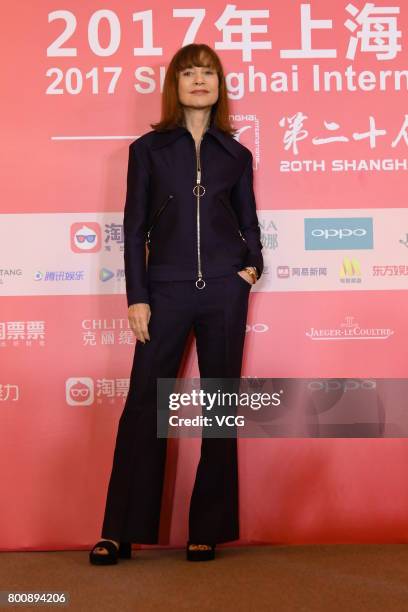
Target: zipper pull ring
x=199 y=190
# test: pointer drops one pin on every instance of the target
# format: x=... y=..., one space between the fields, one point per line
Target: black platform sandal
x=124 y=552
x=196 y=554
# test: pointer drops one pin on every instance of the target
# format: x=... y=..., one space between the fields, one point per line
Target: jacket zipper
x=157 y=215
x=235 y=222
x=199 y=190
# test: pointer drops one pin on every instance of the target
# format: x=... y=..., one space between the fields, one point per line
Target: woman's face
x=198 y=87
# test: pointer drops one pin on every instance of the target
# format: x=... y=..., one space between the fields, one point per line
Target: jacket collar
x=161 y=139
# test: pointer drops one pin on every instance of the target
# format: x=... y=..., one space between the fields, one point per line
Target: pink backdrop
x=80 y=84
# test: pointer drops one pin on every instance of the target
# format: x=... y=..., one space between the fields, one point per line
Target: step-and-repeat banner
x=318 y=92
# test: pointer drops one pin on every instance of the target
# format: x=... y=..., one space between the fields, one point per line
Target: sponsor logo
x=248 y=131
x=350 y=271
x=336 y=234
x=390 y=270
x=9 y=273
x=259 y=328
x=287 y=272
x=79 y=391
x=346 y=385
x=59 y=275
x=19 y=333
x=404 y=241
x=349 y=330
x=283 y=271
x=84 y=391
x=105 y=274
x=269 y=234
x=86 y=237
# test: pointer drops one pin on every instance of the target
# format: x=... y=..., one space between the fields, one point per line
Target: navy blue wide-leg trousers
x=217 y=315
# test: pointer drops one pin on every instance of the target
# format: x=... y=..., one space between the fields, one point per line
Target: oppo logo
x=342 y=385
x=339 y=233
x=257 y=327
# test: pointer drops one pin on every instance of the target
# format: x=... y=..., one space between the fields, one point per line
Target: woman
x=190 y=199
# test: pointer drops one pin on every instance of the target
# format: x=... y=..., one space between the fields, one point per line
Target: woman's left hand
x=246 y=276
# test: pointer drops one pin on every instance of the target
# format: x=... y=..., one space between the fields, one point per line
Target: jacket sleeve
x=134 y=227
x=243 y=201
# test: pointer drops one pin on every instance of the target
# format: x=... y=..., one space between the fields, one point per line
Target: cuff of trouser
x=138 y=297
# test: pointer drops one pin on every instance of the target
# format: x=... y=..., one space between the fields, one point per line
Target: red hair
x=172 y=114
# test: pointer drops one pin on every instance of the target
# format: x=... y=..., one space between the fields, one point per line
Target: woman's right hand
x=139 y=317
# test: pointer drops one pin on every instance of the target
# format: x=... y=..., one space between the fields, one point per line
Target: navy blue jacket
x=194 y=226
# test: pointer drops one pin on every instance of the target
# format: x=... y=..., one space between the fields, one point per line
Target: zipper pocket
x=157 y=215
x=233 y=217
